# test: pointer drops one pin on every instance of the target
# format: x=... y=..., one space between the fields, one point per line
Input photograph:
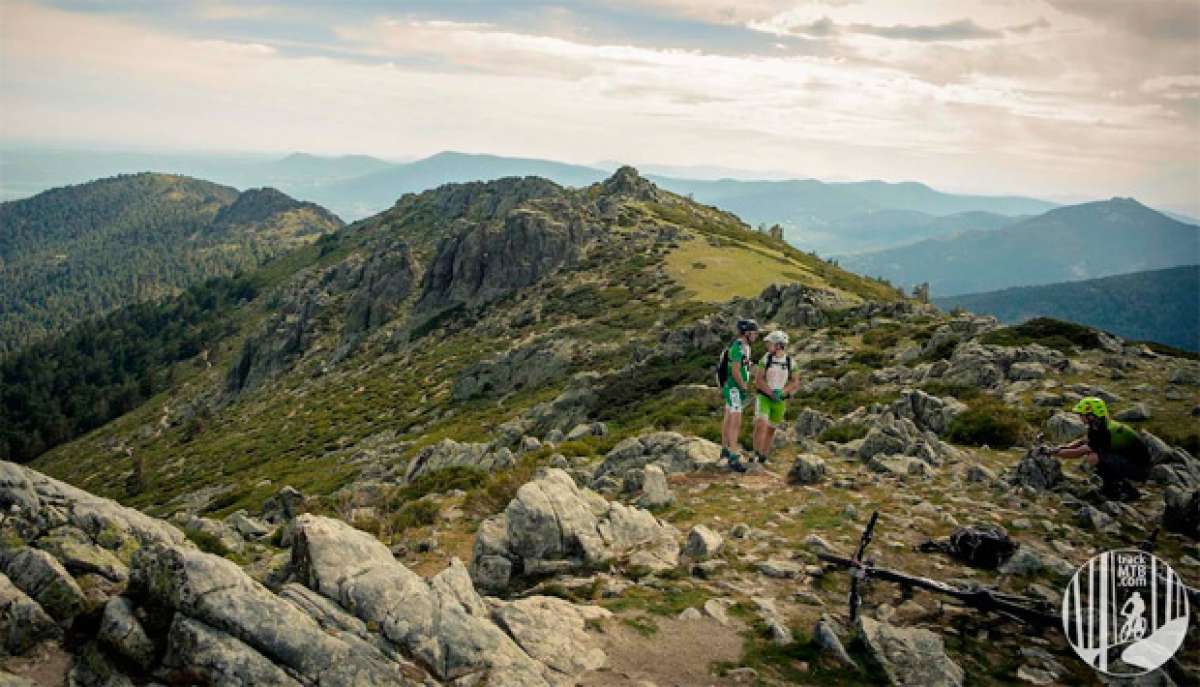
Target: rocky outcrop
x=1181 y=512
x=45 y=580
x=442 y=621
x=553 y=526
x=23 y=622
x=808 y=469
x=671 y=451
x=569 y=409
x=525 y=367
x=900 y=436
x=927 y=412
x=215 y=592
x=449 y=453
x=44 y=503
x=1037 y=471
x=385 y=280
x=911 y=657
x=810 y=423
x=986 y=366
x=486 y=261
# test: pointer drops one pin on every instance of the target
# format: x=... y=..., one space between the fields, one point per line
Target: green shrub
x=883 y=336
x=843 y=433
x=414 y=514
x=869 y=357
x=1047 y=331
x=441 y=481
x=206 y=541
x=987 y=422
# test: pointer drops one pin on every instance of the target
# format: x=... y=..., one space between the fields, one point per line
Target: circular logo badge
x=1125 y=612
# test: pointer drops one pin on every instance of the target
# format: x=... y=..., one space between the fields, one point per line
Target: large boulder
x=702 y=543
x=217 y=593
x=553 y=526
x=808 y=469
x=449 y=453
x=45 y=580
x=443 y=622
x=122 y=631
x=551 y=630
x=927 y=412
x=656 y=493
x=910 y=657
x=810 y=423
x=671 y=451
x=196 y=650
x=1181 y=512
x=891 y=435
x=23 y=622
x=1064 y=427
x=44 y=503
x=1037 y=471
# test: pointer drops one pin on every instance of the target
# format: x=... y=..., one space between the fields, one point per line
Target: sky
x=1060 y=99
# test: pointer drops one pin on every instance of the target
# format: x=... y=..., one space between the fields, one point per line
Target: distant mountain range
x=76 y=252
x=1077 y=242
x=828 y=218
x=1156 y=305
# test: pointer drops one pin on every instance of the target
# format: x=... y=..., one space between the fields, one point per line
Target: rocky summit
x=473 y=440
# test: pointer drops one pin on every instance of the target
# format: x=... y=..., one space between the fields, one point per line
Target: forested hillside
x=80 y=251
x=1158 y=305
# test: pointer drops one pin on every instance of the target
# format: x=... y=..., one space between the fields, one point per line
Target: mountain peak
x=627 y=181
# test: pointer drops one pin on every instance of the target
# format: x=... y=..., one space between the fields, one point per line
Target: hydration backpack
x=723 y=368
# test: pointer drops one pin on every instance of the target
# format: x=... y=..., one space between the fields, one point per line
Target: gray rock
x=927 y=412
x=810 y=423
x=448 y=453
x=808 y=469
x=979 y=473
x=44 y=579
x=551 y=630
x=218 y=530
x=442 y=622
x=554 y=436
x=286 y=504
x=1181 y=512
x=899 y=466
x=121 y=630
x=216 y=592
x=702 y=543
x=1036 y=471
x=715 y=609
x=1064 y=427
x=525 y=367
x=580 y=431
x=80 y=555
x=46 y=503
x=1184 y=375
x=384 y=282
x=1091 y=519
x=826 y=638
x=553 y=526
x=1134 y=413
x=529 y=444
x=92 y=667
x=23 y=623
x=655 y=491
x=1026 y=371
x=776 y=625
x=911 y=657
x=248 y=527
x=671 y=451
x=199 y=650
x=781 y=569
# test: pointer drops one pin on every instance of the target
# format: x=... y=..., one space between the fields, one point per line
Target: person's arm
x=735 y=361
x=794 y=385
x=760 y=381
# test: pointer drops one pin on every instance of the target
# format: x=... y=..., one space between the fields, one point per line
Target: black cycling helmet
x=747 y=326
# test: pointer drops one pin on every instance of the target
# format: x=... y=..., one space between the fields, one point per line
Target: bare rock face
x=23 y=622
x=449 y=453
x=384 y=282
x=670 y=451
x=442 y=621
x=911 y=657
x=927 y=412
x=553 y=526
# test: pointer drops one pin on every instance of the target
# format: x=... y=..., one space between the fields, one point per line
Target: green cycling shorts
x=769 y=409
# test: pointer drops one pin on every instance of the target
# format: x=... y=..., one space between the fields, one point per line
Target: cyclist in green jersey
x=735 y=390
x=1115 y=450
x=775 y=380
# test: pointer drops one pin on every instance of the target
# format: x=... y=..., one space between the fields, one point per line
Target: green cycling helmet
x=1091 y=406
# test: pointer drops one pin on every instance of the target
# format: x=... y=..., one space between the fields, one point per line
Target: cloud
x=1159 y=20
x=960 y=30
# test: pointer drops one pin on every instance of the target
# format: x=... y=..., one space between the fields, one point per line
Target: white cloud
x=1034 y=111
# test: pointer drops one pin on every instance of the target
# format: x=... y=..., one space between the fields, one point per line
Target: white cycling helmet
x=777 y=337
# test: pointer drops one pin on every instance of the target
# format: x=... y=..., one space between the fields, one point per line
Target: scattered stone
x=122 y=631
x=655 y=491
x=1064 y=427
x=553 y=526
x=826 y=638
x=286 y=504
x=690 y=614
x=979 y=473
x=248 y=527
x=899 y=466
x=740 y=531
x=780 y=569
x=808 y=469
x=1181 y=512
x=911 y=657
x=702 y=543
x=1134 y=413
x=1037 y=471
x=715 y=609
